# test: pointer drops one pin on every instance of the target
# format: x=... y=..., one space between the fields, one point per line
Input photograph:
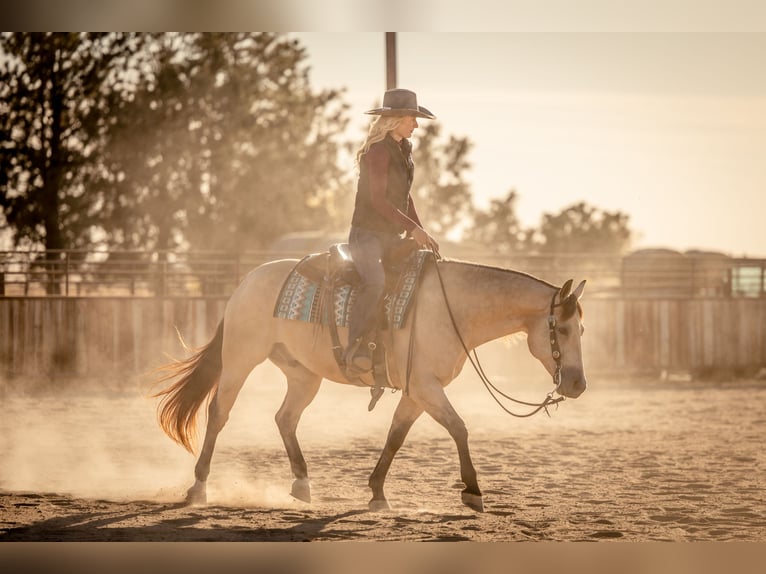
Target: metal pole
x=390 y=60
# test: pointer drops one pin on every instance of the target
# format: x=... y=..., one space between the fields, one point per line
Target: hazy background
x=654 y=108
x=669 y=128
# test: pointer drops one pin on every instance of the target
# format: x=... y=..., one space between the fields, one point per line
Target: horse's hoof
x=378 y=505
x=196 y=495
x=474 y=501
x=301 y=489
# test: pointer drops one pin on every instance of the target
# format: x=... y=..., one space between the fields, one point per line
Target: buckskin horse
x=460 y=305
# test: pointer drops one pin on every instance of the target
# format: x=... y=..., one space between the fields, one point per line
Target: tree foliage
x=225 y=147
x=581 y=228
x=165 y=140
x=56 y=94
x=498 y=228
x=213 y=141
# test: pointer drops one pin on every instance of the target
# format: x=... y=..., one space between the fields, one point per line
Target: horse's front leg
x=405 y=415
x=436 y=404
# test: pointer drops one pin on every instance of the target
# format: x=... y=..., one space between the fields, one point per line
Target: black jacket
x=397 y=193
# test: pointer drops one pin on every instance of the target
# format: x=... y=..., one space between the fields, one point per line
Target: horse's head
x=554 y=339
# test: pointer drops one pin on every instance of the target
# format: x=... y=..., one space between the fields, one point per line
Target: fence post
x=164 y=280
x=160 y=275
x=66 y=273
x=763 y=280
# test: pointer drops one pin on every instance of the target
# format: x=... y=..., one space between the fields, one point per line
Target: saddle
x=335 y=268
x=337 y=264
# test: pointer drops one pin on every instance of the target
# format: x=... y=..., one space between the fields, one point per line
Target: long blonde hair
x=379 y=128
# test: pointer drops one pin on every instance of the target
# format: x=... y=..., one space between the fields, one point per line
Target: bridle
x=491 y=388
x=554 y=340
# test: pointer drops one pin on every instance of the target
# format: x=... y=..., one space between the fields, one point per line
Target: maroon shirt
x=383 y=201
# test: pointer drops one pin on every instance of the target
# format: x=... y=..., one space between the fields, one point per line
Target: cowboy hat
x=399 y=102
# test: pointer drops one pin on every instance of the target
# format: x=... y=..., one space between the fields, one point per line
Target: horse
x=460 y=305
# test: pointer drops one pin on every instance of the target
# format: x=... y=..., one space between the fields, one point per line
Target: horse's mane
x=482 y=266
x=476 y=265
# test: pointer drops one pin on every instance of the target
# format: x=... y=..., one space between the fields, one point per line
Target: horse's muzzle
x=572 y=386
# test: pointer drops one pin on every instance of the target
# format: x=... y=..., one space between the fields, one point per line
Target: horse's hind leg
x=302 y=387
x=405 y=415
x=233 y=377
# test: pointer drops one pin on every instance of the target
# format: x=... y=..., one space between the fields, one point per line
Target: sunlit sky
x=668 y=128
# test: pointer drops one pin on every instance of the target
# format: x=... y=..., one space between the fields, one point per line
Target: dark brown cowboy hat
x=399 y=102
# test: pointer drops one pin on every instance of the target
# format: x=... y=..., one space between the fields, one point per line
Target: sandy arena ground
x=638 y=460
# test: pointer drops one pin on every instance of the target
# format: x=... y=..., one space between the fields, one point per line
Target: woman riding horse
x=383 y=212
x=466 y=305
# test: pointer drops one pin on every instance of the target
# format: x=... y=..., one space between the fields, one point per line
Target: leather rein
x=491 y=388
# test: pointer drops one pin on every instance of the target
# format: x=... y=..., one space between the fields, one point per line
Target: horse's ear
x=564 y=292
x=577 y=293
x=570 y=303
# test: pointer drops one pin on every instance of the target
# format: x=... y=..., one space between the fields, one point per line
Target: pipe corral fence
x=88 y=313
x=652 y=273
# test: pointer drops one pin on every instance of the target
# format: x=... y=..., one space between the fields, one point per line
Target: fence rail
x=89 y=273
x=83 y=273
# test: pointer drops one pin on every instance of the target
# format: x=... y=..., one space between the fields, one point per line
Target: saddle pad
x=299 y=298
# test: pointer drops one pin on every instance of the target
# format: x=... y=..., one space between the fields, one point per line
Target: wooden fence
x=688 y=335
x=94 y=337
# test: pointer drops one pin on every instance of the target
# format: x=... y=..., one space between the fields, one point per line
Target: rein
x=491 y=388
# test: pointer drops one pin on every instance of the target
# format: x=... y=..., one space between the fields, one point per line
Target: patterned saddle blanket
x=300 y=298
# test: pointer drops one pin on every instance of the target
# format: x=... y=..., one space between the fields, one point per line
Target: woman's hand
x=424 y=239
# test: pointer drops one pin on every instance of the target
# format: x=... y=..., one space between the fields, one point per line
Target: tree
x=499 y=228
x=442 y=195
x=56 y=93
x=581 y=228
x=224 y=147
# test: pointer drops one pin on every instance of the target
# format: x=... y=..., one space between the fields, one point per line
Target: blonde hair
x=379 y=128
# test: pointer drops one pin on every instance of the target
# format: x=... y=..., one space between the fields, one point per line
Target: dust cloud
x=632 y=459
x=92 y=443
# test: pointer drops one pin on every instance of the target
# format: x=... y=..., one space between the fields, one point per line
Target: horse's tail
x=199 y=375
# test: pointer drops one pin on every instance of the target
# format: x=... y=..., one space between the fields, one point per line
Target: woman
x=383 y=213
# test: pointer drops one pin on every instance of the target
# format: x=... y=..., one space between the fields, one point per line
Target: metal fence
x=83 y=273
x=91 y=273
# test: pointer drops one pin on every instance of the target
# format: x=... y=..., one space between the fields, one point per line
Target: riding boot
x=358 y=356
